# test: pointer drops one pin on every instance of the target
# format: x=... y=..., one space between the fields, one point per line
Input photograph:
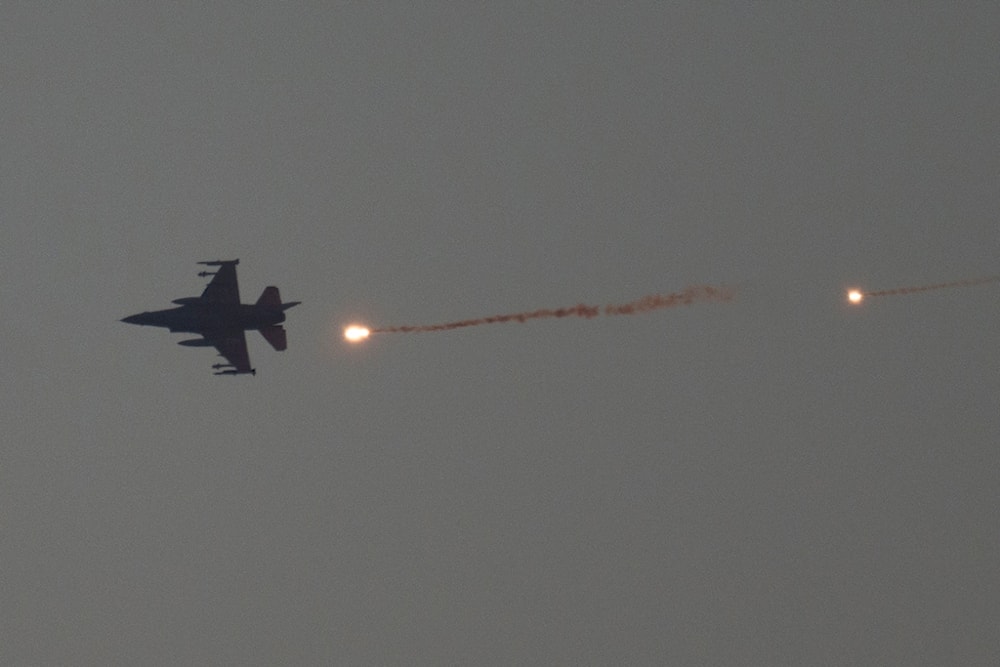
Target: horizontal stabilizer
x=275 y=335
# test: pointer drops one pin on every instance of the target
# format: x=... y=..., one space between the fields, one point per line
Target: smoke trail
x=686 y=297
x=926 y=288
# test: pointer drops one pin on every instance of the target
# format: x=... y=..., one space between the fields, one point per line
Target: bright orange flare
x=856 y=296
x=356 y=333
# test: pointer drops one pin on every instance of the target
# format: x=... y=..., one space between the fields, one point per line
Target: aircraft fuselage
x=199 y=318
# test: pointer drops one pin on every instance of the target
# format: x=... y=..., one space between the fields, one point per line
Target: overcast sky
x=783 y=480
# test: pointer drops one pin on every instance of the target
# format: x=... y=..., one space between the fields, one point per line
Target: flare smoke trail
x=686 y=297
x=856 y=295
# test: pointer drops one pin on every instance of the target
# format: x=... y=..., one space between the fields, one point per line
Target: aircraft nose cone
x=133 y=319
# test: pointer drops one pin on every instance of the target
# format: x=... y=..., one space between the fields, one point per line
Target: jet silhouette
x=222 y=320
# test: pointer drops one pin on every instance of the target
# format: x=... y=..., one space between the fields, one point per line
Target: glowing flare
x=855 y=296
x=356 y=333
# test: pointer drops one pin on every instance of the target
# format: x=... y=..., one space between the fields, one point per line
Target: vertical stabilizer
x=270 y=297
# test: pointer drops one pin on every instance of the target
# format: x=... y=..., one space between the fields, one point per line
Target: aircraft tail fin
x=270 y=297
x=275 y=335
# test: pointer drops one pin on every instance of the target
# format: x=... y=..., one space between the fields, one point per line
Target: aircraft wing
x=223 y=288
x=232 y=344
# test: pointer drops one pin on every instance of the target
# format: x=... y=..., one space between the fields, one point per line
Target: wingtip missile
x=202 y=274
x=195 y=342
x=252 y=371
x=220 y=262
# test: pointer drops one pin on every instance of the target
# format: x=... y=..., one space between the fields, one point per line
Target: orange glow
x=855 y=296
x=356 y=333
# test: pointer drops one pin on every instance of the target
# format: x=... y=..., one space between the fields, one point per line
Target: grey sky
x=781 y=480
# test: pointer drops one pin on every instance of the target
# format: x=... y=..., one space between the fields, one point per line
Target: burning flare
x=857 y=296
x=355 y=333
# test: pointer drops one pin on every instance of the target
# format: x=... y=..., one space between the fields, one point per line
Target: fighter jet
x=221 y=320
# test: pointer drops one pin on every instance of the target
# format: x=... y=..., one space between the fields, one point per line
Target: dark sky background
x=783 y=480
